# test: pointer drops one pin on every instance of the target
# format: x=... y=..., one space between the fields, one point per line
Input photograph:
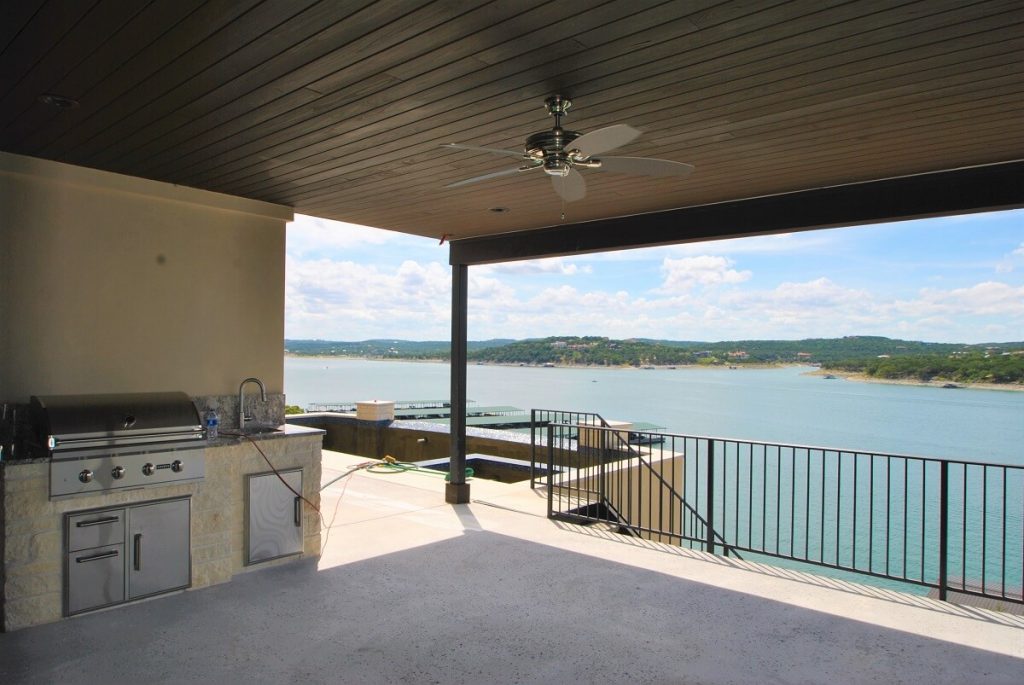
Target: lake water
x=784 y=405
x=774 y=405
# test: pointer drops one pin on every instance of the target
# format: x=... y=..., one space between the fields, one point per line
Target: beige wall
x=116 y=284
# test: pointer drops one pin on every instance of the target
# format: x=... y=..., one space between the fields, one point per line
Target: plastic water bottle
x=212 y=422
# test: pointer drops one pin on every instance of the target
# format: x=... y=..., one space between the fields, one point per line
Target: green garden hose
x=391 y=465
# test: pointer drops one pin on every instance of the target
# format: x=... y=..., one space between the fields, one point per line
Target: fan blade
x=644 y=166
x=493 y=174
x=495 y=151
x=604 y=139
x=571 y=187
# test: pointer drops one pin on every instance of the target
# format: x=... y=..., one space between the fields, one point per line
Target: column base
x=456 y=493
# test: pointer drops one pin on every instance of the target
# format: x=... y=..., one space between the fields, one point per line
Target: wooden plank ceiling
x=339 y=108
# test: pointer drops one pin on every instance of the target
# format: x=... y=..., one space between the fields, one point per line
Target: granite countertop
x=287 y=430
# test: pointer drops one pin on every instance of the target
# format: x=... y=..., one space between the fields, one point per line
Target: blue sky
x=952 y=279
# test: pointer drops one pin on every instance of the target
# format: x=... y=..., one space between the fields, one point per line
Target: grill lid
x=119 y=418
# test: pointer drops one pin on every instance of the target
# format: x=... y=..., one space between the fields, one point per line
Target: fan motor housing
x=542 y=144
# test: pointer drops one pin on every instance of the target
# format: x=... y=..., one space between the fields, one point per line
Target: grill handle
x=138 y=551
x=98 y=522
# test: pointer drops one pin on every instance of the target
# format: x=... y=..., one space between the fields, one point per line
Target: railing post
x=601 y=477
x=943 y=526
x=551 y=469
x=533 y=448
x=711 y=496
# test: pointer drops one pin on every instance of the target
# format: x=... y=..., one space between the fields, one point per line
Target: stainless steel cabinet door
x=95 y=578
x=274 y=516
x=159 y=557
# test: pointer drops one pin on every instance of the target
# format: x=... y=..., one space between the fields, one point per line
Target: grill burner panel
x=125 y=471
x=112 y=442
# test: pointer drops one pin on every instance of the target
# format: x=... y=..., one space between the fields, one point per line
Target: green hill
x=381 y=348
x=875 y=356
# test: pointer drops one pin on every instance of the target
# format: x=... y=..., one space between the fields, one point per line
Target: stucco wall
x=110 y=283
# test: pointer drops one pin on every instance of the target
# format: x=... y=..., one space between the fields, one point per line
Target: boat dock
x=499 y=417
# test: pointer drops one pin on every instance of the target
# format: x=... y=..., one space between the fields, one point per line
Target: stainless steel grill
x=119 y=441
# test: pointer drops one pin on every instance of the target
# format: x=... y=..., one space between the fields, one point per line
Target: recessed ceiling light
x=58 y=101
x=499 y=210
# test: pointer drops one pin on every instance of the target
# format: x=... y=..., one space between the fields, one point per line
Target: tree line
x=962 y=368
x=875 y=356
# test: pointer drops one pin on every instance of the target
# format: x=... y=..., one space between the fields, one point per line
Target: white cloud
x=345 y=282
x=307 y=233
x=310 y=236
x=990 y=298
x=552 y=265
x=682 y=275
x=819 y=307
x=1011 y=261
x=351 y=301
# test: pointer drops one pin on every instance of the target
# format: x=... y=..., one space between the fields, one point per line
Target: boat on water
x=830 y=377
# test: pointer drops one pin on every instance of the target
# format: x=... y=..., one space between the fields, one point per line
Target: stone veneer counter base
x=33 y=538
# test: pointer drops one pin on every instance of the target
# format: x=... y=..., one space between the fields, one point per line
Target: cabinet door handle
x=298 y=512
x=97 y=522
x=138 y=551
x=96 y=557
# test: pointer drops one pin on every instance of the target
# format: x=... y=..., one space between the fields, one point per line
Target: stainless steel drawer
x=95 y=529
x=95 y=578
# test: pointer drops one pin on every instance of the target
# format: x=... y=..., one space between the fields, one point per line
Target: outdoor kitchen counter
x=32 y=546
x=288 y=430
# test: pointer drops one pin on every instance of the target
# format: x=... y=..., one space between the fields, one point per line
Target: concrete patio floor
x=411 y=590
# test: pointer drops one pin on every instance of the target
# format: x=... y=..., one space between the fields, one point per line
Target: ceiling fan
x=561 y=153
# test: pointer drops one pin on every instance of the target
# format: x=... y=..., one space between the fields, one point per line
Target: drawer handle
x=298 y=512
x=98 y=522
x=96 y=557
x=138 y=551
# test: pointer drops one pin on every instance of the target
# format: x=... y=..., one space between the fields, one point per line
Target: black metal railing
x=941 y=523
x=567 y=425
x=604 y=476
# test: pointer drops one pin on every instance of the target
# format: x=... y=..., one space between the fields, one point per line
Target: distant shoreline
x=864 y=378
x=592 y=367
x=855 y=377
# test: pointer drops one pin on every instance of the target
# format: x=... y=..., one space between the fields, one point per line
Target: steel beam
x=959 y=191
x=457 y=489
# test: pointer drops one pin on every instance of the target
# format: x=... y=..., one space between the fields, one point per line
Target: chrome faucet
x=242 y=418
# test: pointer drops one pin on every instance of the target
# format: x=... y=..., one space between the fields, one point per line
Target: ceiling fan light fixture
x=557 y=167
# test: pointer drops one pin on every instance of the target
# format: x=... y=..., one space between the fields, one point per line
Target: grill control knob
x=85 y=476
x=148 y=470
x=177 y=466
x=117 y=472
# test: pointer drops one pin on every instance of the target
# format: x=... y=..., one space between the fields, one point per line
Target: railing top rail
x=567 y=411
x=839 y=450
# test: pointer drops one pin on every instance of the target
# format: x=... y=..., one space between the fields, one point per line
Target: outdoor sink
x=261 y=429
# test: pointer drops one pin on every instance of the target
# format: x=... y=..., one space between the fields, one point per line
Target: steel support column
x=457 y=489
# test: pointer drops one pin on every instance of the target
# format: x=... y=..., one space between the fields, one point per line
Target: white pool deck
x=412 y=590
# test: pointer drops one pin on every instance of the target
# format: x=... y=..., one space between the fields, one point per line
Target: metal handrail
x=669 y=488
x=952 y=525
